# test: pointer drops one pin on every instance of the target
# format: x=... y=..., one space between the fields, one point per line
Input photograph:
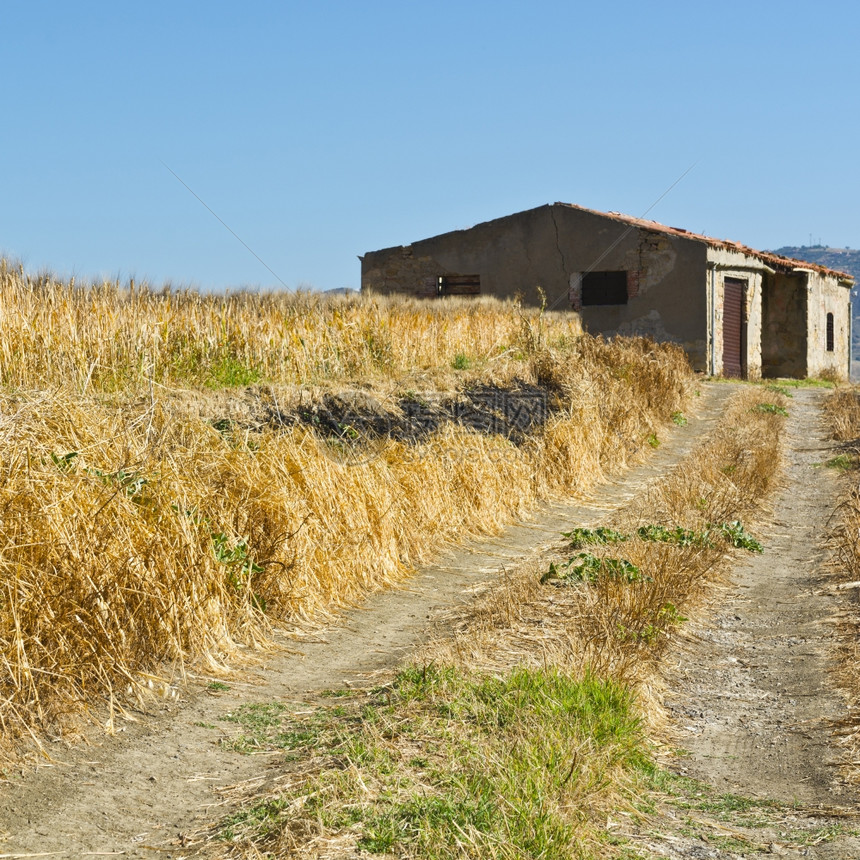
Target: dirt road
x=751 y=689
x=752 y=696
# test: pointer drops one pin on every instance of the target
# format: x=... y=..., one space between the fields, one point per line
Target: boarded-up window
x=830 y=332
x=604 y=288
x=458 y=285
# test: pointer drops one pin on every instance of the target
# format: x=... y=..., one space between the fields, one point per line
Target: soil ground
x=750 y=688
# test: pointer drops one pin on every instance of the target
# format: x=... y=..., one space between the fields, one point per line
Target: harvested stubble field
x=176 y=485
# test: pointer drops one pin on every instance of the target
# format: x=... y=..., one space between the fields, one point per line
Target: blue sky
x=319 y=131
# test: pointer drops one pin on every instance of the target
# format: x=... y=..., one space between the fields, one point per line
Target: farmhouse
x=736 y=311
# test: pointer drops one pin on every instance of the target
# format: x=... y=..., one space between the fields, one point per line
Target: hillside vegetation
x=841 y=259
x=180 y=476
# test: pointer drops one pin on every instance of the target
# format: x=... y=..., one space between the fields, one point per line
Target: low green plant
x=734 y=532
x=230 y=372
x=64 y=462
x=241 y=567
x=585 y=567
x=600 y=536
x=461 y=361
x=772 y=409
x=131 y=483
x=779 y=389
x=679 y=419
x=652 y=440
x=739 y=537
x=677 y=536
x=670 y=616
x=843 y=462
x=234 y=555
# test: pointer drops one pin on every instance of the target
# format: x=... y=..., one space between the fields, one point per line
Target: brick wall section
x=632 y=284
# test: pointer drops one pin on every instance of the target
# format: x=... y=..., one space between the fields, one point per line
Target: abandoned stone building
x=735 y=310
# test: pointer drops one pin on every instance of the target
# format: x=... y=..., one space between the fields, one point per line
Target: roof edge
x=774 y=260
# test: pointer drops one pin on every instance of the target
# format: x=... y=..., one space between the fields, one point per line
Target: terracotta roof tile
x=773 y=260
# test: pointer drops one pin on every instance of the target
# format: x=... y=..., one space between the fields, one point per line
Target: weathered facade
x=736 y=311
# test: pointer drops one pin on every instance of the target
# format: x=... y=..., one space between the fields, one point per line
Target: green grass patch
x=695 y=798
x=779 y=389
x=230 y=372
x=808 y=382
x=679 y=419
x=772 y=409
x=441 y=764
x=842 y=462
x=263 y=729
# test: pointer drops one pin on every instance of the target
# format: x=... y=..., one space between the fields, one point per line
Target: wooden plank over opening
x=459 y=285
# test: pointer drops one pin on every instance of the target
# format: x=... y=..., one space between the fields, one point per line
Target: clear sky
x=321 y=130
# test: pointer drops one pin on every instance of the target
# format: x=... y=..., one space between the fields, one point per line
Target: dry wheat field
x=170 y=493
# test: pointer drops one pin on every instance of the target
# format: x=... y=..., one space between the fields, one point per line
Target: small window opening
x=830 y=332
x=458 y=285
x=604 y=288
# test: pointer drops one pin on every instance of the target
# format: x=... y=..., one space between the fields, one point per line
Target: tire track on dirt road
x=138 y=793
x=752 y=691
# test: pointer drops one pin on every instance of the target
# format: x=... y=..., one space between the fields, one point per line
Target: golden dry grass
x=842 y=409
x=113 y=337
x=135 y=537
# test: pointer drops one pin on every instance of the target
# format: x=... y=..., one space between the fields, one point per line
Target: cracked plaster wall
x=825 y=295
x=794 y=333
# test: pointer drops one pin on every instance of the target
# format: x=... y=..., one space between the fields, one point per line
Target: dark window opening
x=458 y=285
x=830 y=332
x=604 y=288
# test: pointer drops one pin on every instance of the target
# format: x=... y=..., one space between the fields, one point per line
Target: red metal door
x=733 y=324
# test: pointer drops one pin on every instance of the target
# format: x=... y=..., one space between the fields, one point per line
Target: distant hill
x=340 y=291
x=843 y=259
